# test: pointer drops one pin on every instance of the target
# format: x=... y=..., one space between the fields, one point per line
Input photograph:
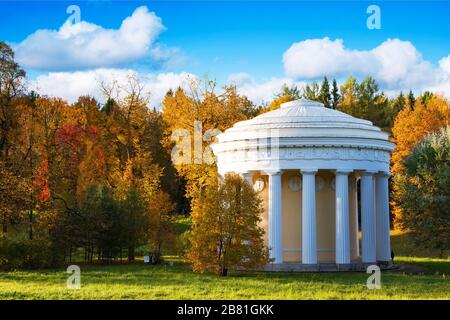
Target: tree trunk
x=130 y=253
x=224 y=272
x=30 y=231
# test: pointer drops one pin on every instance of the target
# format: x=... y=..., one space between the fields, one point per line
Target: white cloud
x=394 y=63
x=261 y=92
x=87 y=45
x=444 y=64
x=240 y=78
x=71 y=85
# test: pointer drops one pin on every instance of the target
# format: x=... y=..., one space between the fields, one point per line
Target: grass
x=138 y=281
x=178 y=282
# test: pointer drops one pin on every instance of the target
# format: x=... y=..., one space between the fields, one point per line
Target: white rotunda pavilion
x=306 y=161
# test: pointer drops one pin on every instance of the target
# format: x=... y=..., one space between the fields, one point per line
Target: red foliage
x=93 y=132
x=41 y=182
x=71 y=134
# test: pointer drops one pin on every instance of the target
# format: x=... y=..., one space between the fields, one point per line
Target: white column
x=309 y=237
x=342 y=218
x=356 y=213
x=275 y=234
x=368 y=218
x=382 y=218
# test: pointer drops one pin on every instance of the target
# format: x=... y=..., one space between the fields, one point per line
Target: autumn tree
x=411 y=125
x=12 y=77
x=226 y=230
x=193 y=119
x=423 y=191
x=14 y=182
x=349 y=96
x=161 y=223
x=14 y=196
x=287 y=94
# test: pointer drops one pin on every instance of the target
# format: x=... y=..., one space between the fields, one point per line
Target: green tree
x=410 y=100
x=311 y=91
x=324 y=94
x=426 y=97
x=335 y=96
x=291 y=92
x=424 y=191
x=363 y=100
x=135 y=222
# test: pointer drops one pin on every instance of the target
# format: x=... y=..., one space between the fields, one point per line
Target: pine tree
x=324 y=95
x=398 y=104
x=411 y=100
x=335 y=96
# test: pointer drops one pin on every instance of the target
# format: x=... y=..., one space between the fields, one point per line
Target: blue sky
x=242 y=41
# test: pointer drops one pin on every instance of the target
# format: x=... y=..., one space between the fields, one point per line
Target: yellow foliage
x=410 y=126
x=182 y=112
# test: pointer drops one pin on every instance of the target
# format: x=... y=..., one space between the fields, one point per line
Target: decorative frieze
x=321 y=153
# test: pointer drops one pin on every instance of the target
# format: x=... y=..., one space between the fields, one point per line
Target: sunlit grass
x=139 y=281
x=179 y=282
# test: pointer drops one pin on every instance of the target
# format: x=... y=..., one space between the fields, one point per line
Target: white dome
x=304 y=132
x=308 y=119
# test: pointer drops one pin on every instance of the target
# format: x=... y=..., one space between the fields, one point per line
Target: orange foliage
x=410 y=126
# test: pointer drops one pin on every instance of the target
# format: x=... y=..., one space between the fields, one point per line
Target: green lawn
x=178 y=282
x=140 y=281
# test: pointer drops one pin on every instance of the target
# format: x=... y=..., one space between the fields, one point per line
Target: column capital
x=345 y=171
x=247 y=171
x=368 y=173
x=384 y=174
x=273 y=172
x=308 y=170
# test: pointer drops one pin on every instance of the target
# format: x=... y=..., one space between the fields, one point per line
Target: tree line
x=97 y=180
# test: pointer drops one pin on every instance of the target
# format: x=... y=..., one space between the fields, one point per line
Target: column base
x=320 y=267
x=345 y=266
x=310 y=267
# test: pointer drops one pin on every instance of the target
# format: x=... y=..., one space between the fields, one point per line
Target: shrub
x=28 y=254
